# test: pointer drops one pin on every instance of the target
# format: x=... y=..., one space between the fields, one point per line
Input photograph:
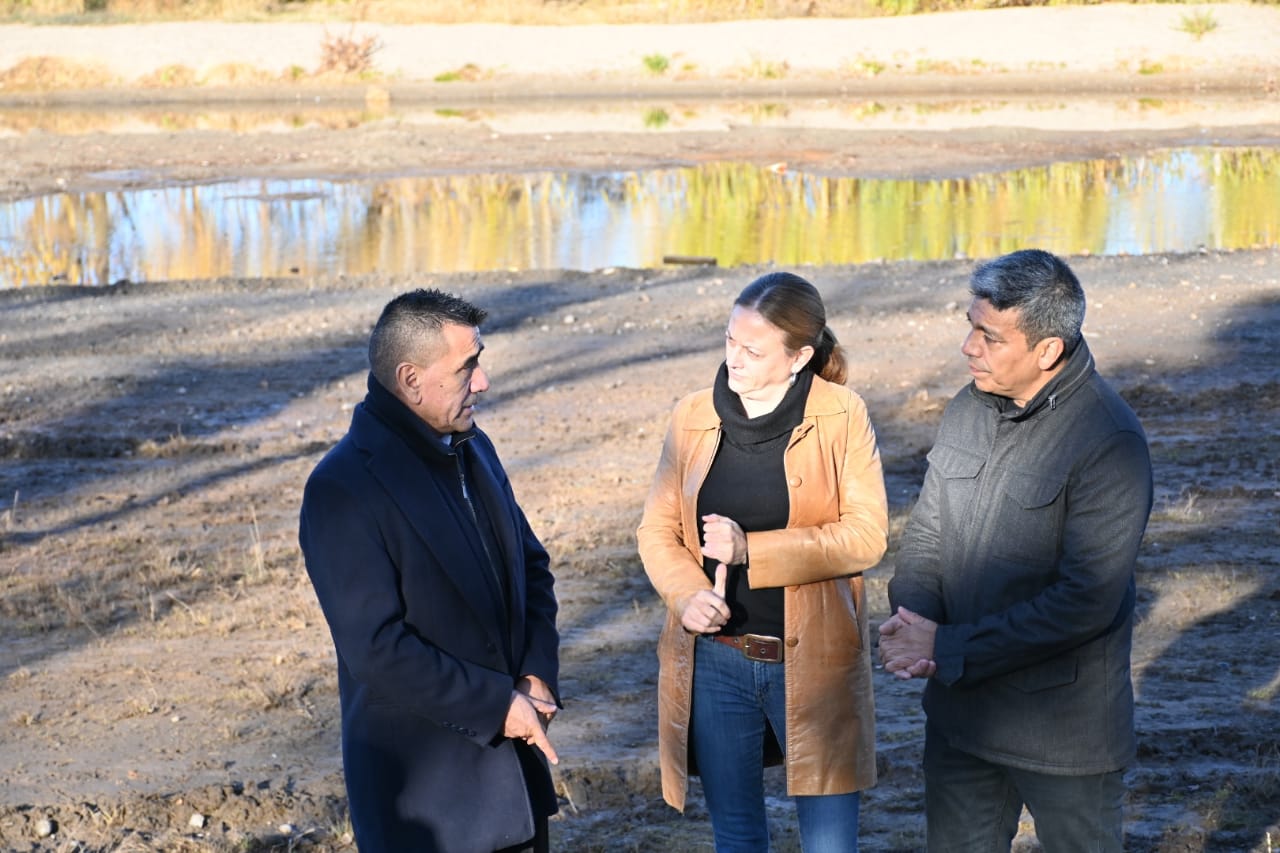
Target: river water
x=730 y=213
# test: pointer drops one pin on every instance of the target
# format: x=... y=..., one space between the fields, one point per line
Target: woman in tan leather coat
x=767 y=505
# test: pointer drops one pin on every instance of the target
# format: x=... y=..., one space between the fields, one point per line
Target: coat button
x=792 y=642
x=794 y=482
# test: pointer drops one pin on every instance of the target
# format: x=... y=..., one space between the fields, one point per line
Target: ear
x=1049 y=352
x=802 y=357
x=408 y=382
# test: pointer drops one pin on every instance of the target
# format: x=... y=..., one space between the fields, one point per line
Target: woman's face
x=760 y=366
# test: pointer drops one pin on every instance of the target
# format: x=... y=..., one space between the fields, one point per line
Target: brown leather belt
x=754 y=646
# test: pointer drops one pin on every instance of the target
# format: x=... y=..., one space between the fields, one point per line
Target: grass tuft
x=1186 y=509
x=468 y=73
x=1198 y=24
x=657 y=63
x=656 y=118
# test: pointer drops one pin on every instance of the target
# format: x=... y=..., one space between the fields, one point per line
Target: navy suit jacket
x=428 y=653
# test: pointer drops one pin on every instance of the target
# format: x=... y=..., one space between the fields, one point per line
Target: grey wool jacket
x=1022 y=547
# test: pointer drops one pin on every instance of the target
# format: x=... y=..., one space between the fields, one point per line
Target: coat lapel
x=435 y=516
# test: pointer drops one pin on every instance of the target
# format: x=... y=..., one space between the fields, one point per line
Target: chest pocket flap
x=1031 y=492
x=952 y=463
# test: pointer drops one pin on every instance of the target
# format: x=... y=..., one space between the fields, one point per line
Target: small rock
x=285 y=829
x=197 y=821
x=46 y=827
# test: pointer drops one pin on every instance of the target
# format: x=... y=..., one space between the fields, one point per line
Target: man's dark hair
x=409 y=328
x=1042 y=287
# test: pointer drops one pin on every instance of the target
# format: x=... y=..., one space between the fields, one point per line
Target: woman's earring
x=792 y=380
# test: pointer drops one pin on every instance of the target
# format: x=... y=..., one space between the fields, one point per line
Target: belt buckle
x=761 y=648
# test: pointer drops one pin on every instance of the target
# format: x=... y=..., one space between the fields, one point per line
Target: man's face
x=1000 y=360
x=446 y=389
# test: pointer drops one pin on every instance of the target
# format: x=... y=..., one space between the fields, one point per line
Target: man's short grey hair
x=410 y=326
x=1041 y=286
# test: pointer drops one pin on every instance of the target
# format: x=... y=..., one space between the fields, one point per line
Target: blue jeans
x=732 y=699
x=973 y=805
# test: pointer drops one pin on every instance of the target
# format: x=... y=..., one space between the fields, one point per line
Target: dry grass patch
x=1187 y=508
x=278 y=690
x=237 y=73
x=170 y=76
x=127 y=581
x=1190 y=593
x=43 y=73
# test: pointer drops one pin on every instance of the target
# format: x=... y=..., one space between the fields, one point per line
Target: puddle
x=1174 y=201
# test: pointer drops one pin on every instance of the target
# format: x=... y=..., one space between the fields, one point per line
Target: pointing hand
x=706 y=611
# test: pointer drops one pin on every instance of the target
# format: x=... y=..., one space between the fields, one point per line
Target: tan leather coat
x=838 y=527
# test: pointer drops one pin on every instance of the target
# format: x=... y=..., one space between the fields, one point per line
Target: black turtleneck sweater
x=747 y=482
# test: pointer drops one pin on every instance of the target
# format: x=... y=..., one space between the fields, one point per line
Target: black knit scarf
x=745 y=432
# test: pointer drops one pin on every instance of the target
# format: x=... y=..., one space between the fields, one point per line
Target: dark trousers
x=973 y=805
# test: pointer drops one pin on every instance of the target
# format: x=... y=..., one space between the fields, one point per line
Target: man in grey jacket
x=1014 y=587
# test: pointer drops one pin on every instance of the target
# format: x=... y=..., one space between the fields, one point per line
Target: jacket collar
x=1074 y=374
x=393 y=413
x=389 y=437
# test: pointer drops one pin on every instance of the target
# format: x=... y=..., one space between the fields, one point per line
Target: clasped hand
x=532 y=707
x=723 y=540
x=906 y=645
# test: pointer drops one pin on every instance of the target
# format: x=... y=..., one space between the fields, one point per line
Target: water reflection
x=1173 y=201
x=1076 y=113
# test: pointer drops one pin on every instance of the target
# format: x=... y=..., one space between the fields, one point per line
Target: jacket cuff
x=948 y=652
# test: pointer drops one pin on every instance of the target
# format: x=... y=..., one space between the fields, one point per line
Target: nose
x=970 y=347
x=479 y=380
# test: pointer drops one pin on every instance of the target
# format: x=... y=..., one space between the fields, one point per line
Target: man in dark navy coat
x=439 y=599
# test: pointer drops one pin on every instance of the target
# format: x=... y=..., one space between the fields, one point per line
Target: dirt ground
x=168 y=678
